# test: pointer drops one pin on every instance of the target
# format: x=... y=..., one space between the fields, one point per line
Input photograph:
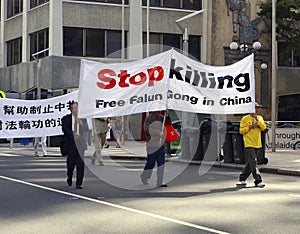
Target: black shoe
x=45 y=155
x=78 y=187
x=162 y=186
x=69 y=181
x=144 y=181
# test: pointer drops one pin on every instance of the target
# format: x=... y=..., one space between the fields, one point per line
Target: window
x=192 y=4
x=34 y=3
x=172 y=40
x=179 y=4
x=163 y=42
x=38 y=42
x=95 y=46
x=114 y=43
x=153 y=3
x=73 y=41
x=289 y=107
x=154 y=44
x=172 y=3
x=14 y=7
x=14 y=51
x=195 y=46
x=107 y=1
x=92 y=42
x=288 y=54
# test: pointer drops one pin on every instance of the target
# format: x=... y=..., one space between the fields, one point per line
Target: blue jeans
x=159 y=157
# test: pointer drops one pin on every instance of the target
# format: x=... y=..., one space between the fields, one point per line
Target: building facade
x=67 y=30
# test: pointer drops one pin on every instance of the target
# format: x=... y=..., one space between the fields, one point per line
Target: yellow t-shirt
x=252 y=136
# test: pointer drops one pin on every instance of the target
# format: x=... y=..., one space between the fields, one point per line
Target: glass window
x=288 y=54
x=195 y=46
x=73 y=41
x=155 y=44
x=172 y=3
x=114 y=43
x=153 y=3
x=14 y=7
x=95 y=43
x=171 y=40
x=38 y=42
x=192 y=4
x=34 y=3
x=14 y=51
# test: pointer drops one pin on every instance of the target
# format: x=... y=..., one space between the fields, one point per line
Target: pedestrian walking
x=100 y=129
x=108 y=134
x=155 y=147
x=42 y=142
x=74 y=130
x=251 y=127
x=118 y=131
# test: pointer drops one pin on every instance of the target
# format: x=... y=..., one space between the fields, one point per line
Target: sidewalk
x=285 y=162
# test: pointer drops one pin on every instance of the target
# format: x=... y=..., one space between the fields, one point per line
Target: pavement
x=284 y=162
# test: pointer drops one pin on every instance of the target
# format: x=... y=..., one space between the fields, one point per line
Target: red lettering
x=142 y=79
x=106 y=75
x=155 y=74
x=123 y=76
x=108 y=78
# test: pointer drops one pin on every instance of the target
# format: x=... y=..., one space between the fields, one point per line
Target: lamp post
x=185 y=49
x=38 y=64
x=274 y=75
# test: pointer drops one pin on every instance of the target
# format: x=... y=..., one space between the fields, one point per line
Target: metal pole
x=123 y=33
x=274 y=81
x=148 y=27
x=185 y=45
x=38 y=81
x=185 y=48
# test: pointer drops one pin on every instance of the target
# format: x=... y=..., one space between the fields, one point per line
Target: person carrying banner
x=74 y=130
x=40 y=141
x=100 y=129
x=155 y=147
x=251 y=127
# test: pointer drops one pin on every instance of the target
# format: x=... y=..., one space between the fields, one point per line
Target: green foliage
x=287 y=19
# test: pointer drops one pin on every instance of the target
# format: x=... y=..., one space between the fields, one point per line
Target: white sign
x=33 y=118
x=168 y=80
x=285 y=138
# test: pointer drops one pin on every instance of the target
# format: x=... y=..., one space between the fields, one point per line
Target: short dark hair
x=71 y=104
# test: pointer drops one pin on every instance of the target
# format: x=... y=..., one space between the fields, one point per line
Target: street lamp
x=38 y=79
x=185 y=49
x=244 y=48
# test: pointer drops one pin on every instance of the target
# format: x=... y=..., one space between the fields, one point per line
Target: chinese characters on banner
x=33 y=118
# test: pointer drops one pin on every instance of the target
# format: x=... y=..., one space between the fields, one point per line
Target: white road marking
x=295 y=195
x=73 y=195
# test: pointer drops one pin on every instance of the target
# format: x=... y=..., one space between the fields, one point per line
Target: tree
x=287 y=19
x=287 y=28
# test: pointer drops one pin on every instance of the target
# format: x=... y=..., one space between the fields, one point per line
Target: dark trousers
x=159 y=157
x=75 y=159
x=251 y=167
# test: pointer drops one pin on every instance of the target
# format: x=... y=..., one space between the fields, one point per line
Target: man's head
x=257 y=108
x=74 y=108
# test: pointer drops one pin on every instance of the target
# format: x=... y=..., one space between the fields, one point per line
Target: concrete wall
x=13 y=28
x=38 y=18
x=93 y=16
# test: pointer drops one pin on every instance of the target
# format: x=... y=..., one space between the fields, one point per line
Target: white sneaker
x=243 y=182
x=261 y=184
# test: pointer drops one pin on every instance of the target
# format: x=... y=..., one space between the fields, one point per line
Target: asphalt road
x=34 y=198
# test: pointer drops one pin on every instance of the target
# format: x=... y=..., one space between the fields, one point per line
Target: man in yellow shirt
x=251 y=127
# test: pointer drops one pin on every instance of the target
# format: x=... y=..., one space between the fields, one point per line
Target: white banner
x=168 y=80
x=33 y=118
